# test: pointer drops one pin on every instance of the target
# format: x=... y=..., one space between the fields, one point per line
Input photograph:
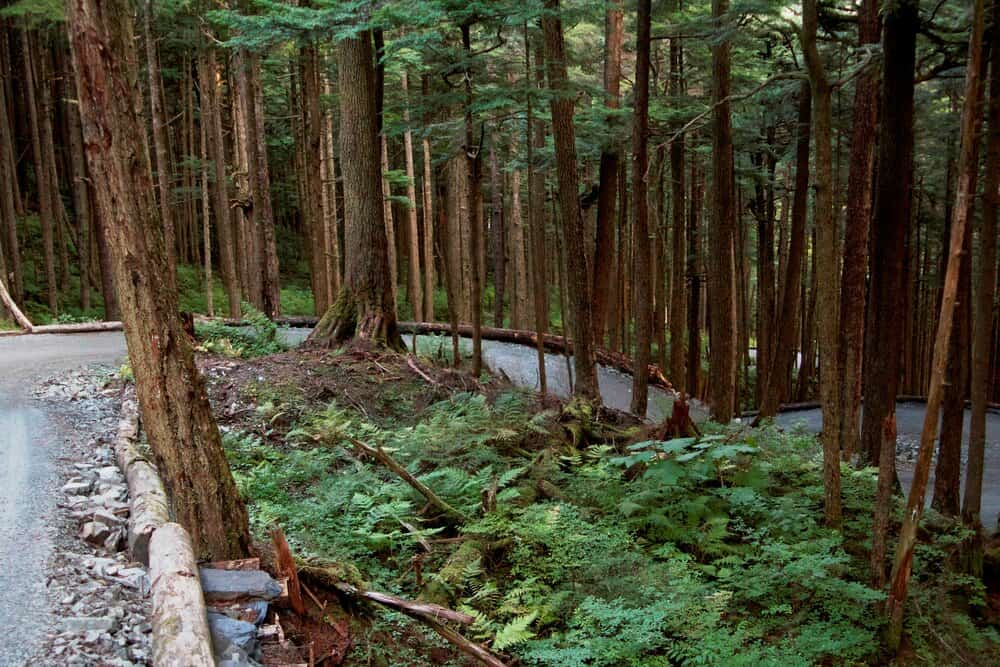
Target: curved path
x=30 y=441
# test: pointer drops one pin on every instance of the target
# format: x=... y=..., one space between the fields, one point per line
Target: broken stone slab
x=109 y=519
x=81 y=624
x=77 y=487
x=227 y=585
x=95 y=533
x=109 y=474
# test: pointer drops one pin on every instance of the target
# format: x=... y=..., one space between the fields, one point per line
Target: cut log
x=148 y=507
x=181 y=637
x=286 y=568
x=83 y=327
x=12 y=308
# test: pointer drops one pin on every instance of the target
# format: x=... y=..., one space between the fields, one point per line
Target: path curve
x=30 y=441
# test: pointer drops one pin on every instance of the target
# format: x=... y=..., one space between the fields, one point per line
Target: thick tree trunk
x=721 y=238
x=777 y=387
x=964 y=195
x=827 y=264
x=569 y=205
x=640 y=196
x=175 y=410
x=604 y=249
x=986 y=281
x=858 y=222
x=365 y=308
x=891 y=226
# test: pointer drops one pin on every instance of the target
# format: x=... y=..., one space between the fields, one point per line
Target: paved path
x=29 y=443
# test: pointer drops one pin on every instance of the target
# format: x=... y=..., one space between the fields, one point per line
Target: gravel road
x=30 y=444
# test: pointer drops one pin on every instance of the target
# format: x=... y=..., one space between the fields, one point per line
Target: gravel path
x=32 y=442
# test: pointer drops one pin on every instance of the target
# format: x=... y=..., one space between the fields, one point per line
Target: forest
x=748 y=207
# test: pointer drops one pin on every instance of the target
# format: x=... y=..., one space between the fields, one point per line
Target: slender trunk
x=8 y=201
x=390 y=225
x=678 y=315
x=608 y=172
x=640 y=230
x=313 y=142
x=471 y=150
x=694 y=278
x=206 y=222
x=536 y=214
x=572 y=218
x=986 y=282
x=159 y=135
x=415 y=291
x=266 y=244
x=428 y=209
x=858 y=222
x=330 y=215
x=81 y=204
x=777 y=387
x=497 y=245
x=721 y=237
x=176 y=414
x=827 y=264
x=964 y=195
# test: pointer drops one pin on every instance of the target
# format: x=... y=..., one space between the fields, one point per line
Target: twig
x=312 y=596
x=416 y=369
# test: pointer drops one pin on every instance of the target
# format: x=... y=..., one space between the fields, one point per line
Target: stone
x=108 y=518
x=227 y=632
x=90 y=624
x=78 y=487
x=95 y=533
x=109 y=474
x=227 y=585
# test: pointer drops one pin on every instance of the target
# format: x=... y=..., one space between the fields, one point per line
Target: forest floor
x=573 y=537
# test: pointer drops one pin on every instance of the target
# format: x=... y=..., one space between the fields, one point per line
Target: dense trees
x=775 y=178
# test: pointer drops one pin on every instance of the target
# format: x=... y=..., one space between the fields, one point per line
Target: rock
x=109 y=474
x=78 y=487
x=95 y=533
x=228 y=632
x=115 y=541
x=226 y=585
x=108 y=518
x=88 y=624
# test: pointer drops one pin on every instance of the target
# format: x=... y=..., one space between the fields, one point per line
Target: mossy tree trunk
x=365 y=308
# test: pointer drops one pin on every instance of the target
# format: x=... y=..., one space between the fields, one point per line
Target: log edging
x=181 y=636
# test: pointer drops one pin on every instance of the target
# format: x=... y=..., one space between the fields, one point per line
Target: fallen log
x=148 y=507
x=82 y=327
x=12 y=308
x=181 y=637
x=552 y=343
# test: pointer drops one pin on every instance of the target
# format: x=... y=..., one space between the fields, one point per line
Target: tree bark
x=497 y=241
x=471 y=151
x=365 y=309
x=428 y=209
x=721 y=237
x=964 y=195
x=313 y=140
x=415 y=287
x=159 y=135
x=536 y=208
x=858 y=222
x=569 y=205
x=827 y=264
x=694 y=278
x=175 y=410
x=8 y=202
x=678 y=315
x=891 y=226
x=640 y=198
x=604 y=249
x=260 y=180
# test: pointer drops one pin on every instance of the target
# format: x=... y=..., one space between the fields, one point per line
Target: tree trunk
x=640 y=197
x=428 y=208
x=365 y=309
x=313 y=140
x=965 y=193
x=827 y=264
x=415 y=288
x=46 y=212
x=536 y=209
x=8 y=203
x=159 y=135
x=176 y=413
x=986 y=281
x=678 y=316
x=604 y=249
x=891 y=226
x=260 y=180
x=858 y=223
x=471 y=151
x=572 y=218
x=497 y=241
x=694 y=277
x=212 y=114
x=206 y=222
x=81 y=203
x=721 y=237
x=390 y=224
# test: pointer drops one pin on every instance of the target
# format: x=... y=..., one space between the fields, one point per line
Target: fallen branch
x=418 y=486
x=419 y=371
x=9 y=304
x=83 y=327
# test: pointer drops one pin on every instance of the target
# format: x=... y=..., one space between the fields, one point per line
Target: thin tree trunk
x=608 y=172
x=694 y=278
x=721 y=237
x=965 y=193
x=858 y=222
x=176 y=414
x=986 y=282
x=260 y=180
x=536 y=209
x=390 y=225
x=640 y=230
x=678 y=315
x=572 y=218
x=206 y=222
x=497 y=244
x=8 y=201
x=415 y=291
x=159 y=135
x=330 y=215
x=81 y=203
x=313 y=136
x=827 y=264
x=428 y=208
x=471 y=150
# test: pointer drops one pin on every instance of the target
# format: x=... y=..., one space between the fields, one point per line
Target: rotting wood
x=149 y=509
x=287 y=568
x=181 y=636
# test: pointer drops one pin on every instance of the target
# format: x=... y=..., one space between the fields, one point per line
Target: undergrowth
x=706 y=551
x=258 y=338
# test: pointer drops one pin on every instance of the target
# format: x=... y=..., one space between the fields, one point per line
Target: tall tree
x=160 y=146
x=721 y=233
x=414 y=286
x=827 y=263
x=965 y=192
x=640 y=199
x=365 y=308
x=604 y=248
x=561 y=104
x=678 y=304
x=176 y=413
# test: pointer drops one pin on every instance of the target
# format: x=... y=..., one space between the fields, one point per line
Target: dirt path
x=30 y=442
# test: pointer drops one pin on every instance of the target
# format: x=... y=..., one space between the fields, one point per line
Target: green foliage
x=258 y=338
